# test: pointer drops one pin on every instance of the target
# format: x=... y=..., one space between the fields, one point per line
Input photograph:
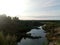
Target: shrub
x=7 y=40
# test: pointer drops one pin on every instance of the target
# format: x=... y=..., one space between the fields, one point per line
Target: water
x=35 y=32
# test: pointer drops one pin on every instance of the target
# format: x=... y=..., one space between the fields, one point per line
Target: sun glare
x=13 y=7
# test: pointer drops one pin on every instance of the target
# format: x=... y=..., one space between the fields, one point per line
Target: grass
x=7 y=40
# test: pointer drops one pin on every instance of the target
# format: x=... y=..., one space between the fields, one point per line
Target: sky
x=31 y=9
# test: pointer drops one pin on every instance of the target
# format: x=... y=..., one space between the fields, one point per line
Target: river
x=35 y=32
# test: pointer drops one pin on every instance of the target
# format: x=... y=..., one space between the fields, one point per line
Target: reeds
x=7 y=40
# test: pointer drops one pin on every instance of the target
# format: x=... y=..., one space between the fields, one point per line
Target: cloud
x=41 y=18
x=38 y=5
x=44 y=3
x=42 y=13
x=49 y=8
x=32 y=9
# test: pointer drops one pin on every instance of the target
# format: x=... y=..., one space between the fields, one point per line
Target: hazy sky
x=31 y=9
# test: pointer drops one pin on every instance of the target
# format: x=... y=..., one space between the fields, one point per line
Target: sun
x=13 y=7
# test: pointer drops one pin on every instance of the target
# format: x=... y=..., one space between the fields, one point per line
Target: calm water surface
x=35 y=32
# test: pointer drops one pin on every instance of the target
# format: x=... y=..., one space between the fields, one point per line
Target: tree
x=14 y=26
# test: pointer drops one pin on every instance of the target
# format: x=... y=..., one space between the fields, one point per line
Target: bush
x=7 y=40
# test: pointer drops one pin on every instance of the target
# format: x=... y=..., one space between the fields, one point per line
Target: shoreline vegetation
x=12 y=30
x=52 y=32
x=8 y=39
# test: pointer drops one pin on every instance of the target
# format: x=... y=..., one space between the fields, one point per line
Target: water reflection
x=34 y=32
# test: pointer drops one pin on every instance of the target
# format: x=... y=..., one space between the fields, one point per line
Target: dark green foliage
x=14 y=26
x=1 y=39
x=7 y=40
